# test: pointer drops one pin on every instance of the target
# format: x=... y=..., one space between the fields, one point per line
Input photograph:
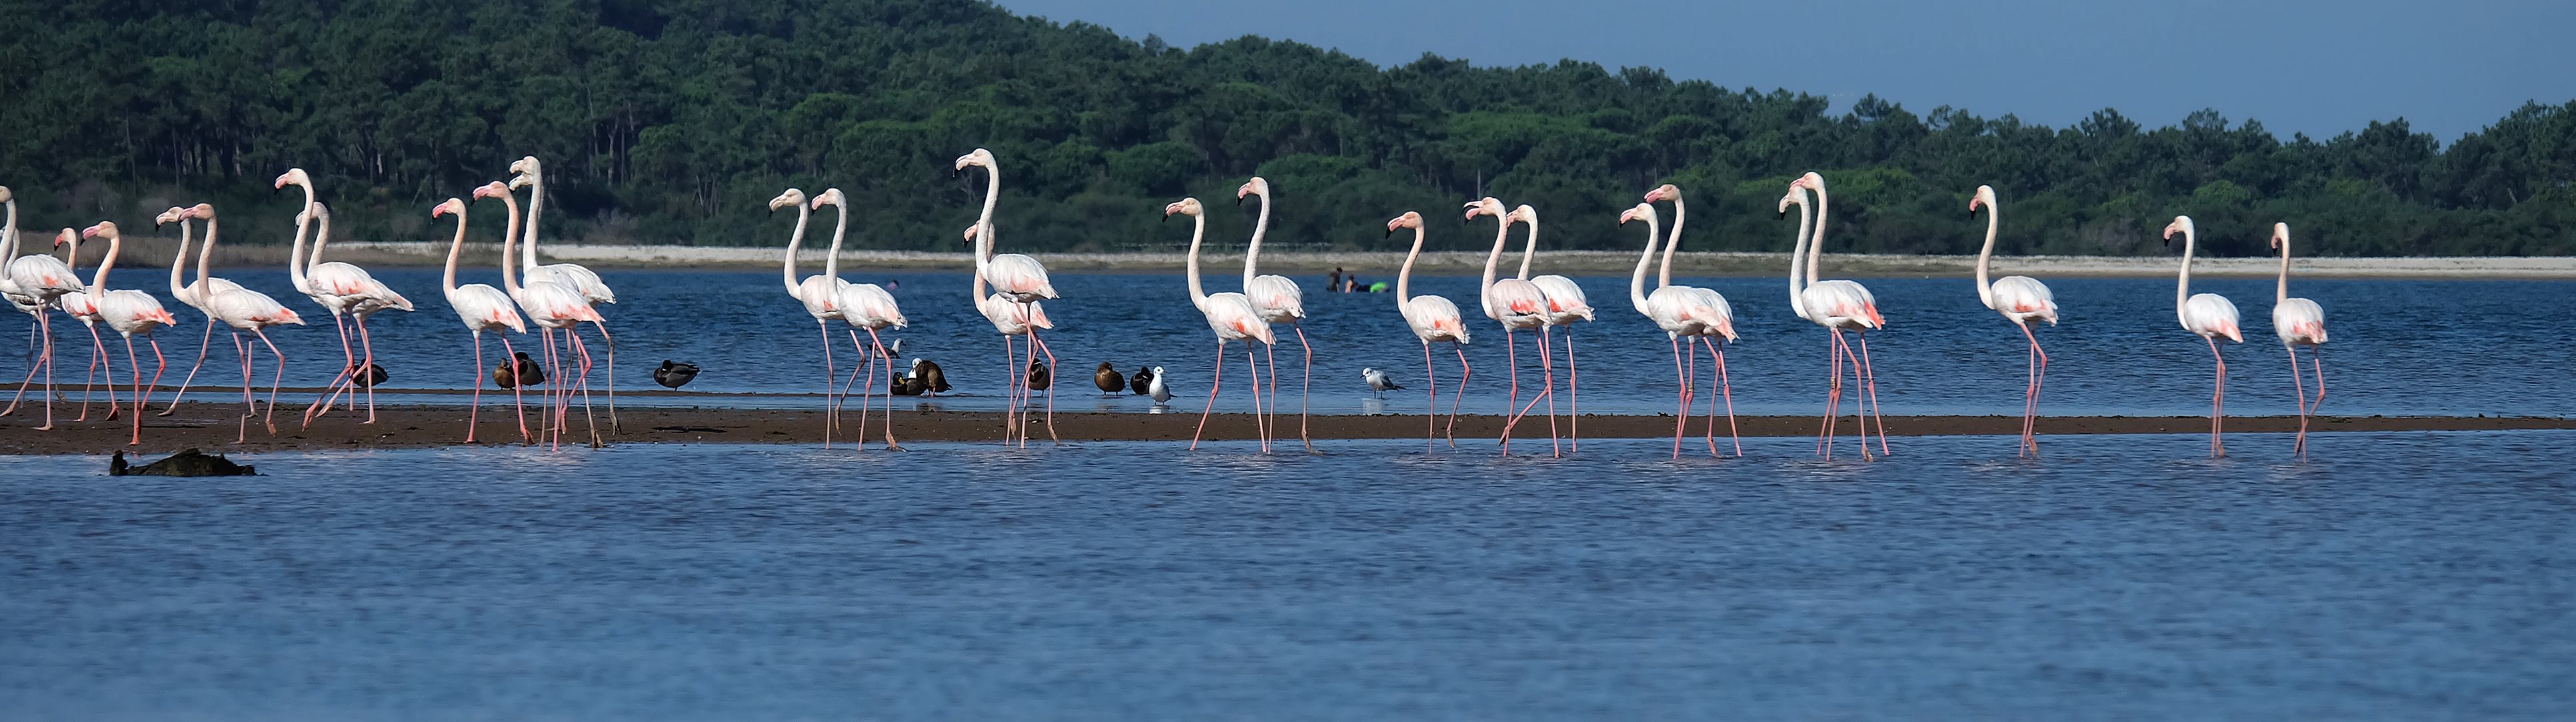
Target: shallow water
x=2398 y=348
x=2398 y=576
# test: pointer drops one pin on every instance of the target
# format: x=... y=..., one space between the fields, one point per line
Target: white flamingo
x=33 y=284
x=243 y=310
x=552 y=306
x=1674 y=309
x=482 y=308
x=1837 y=305
x=2299 y=322
x=1715 y=322
x=343 y=288
x=1232 y=316
x=1009 y=318
x=2021 y=300
x=82 y=305
x=820 y=294
x=862 y=306
x=1516 y=304
x=1566 y=305
x=196 y=293
x=1279 y=300
x=1016 y=277
x=532 y=175
x=130 y=312
x=2209 y=316
x=1432 y=318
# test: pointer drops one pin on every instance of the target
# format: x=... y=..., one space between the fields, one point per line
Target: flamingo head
x=980 y=157
x=1644 y=211
x=2180 y=224
x=792 y=197
x=527 y=167
x=494 y=188
x=1522 y=213
x=295 y=176
x=1811 y=181
x=202 y=211
x=103 y=229
x=972 y=231
x=1793 y=197
x=1186 y=206
x=1985 y=197
x=1410 y=219
x=1486 y=206
x=2280 y=234
x=1665 y=192
x=66 y=236
x=1256 y=186
x=451 y=205
x=830 y=197
x=175 y=213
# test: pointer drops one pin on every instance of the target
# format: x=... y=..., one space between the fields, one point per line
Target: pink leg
x=331 y=393
x=831 y=415
x=1255 y=364
x=142 y=397
x=203 y=343
x=1573 y=399
x=1464 y=372
x=554 y=379
x=89 y=376
x=1546 y=393
x=516 y=399
x=278 y=378
x=878 y=343
x=590 y=422
x=241 y=427
x=1430 y=414
x=474 y=409
x=1681 y=382
x=1011 y=373
x=1726 y=389
x=1511 y=352
x=1050 y=389
x=866 y=364
x=1270 y=422
x=2316 y=359
x=611 y=342
x=2298 y=386
x=367 y=366
x=1213 y=383
x=137 y=365
x=45 y=328
x=1833 y=396
x=2030 y=395
x=1303 y=386
x=1870 y=382
x=2217 y=401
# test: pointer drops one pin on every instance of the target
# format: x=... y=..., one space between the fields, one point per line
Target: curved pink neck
x=795 y=239
x=454 y=248
x=1664 y=277
x=179 y=265
x=1816 y=242
x=1252 y=250
x=2281 y=292
x=1986 y=256
x=510 y=239
x=1404 y=278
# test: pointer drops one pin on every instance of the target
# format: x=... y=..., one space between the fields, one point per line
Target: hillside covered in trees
x=673 y=121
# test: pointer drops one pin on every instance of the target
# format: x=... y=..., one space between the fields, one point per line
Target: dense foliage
x=675 y=120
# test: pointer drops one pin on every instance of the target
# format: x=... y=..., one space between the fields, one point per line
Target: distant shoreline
x=1378 y=265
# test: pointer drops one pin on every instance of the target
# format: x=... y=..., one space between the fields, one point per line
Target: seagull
x=1162 y=393
x=1377 y=381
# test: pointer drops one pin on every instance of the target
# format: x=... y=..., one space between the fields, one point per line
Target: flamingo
x=1565 y=305
x=1280 y=301
x=1679 y=312
x=862 y=306
x=552 y=306
x=82 y=306
x=243 y=310
x=2298 y=321
x=532 y=175
x=1231 y=315
x=2021 y=299
x=2209 y=316
x=1432 y=318
x=1515 y=303
x=197 y=293
x=343 y=288
x=820 y=294
x=482 y=308
x=1715 y=321
x=1017 y=278
x=130 y=312
x=1837 y=305
x=32 y=284
x=1009 y=319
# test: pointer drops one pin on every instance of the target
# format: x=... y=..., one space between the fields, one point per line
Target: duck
x=673 y=374
x=375 y=374
x=189 y=462
x=933 y=382
x=527 y=372
x=1039 y=379
x=1108 y=379
x=1143 y=382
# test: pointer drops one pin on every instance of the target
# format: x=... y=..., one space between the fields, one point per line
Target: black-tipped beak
x=1167 y=217
x=1390 y=233
x=1238 y=200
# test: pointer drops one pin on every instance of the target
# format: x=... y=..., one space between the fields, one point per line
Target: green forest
x=674 y=121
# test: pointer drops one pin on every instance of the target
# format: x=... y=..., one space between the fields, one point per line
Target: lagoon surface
x=2394 y=576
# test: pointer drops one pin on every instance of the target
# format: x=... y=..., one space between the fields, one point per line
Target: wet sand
x=212 y=428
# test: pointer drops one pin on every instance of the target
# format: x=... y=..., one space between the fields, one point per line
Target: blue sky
x=2316 y=67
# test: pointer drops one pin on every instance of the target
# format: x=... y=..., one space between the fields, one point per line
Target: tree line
x=674 y=121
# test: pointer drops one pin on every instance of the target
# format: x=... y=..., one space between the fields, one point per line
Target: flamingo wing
x=868 y=305
x=1565 y=301
x=2210 y=314
x=1021 y=276
x=2025 y=298
x=1278 y=298
x=484 y=308
x=2299 y=320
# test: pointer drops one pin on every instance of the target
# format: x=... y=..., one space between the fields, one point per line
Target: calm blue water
x=2397 y=576
x=2400 y=347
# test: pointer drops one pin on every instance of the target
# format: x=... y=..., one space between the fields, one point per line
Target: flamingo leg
x=349 y=355
x=141 y=397
x=831 y=415
x=866 y=364
x=274 y=381
x=1430 y=414
x=1573 y=399
x=2217 y=401
x=89 y=376
x=1870 y=381
x=554 y=374
x=203 y=342
x=1010 y=397
x=1682 y=383
x=1255 y=363
x=137 y=365
x=611 y=342
x=2030 y=395
x=516 y=400
x=35 y=362
x=1512 y=359
x=590 y=422
x=1464 y=373
x=1050 y=389
x=879 y=344
x=46 y=328
x=1833 y=394
x=1270 y=421
x=1546 y=393
x=1213 y=383
x=1304 y=386
x=474 y=409
x=1726 y=388
x=1710 y=430
x=2317 y=360
x=241 y=427
x=368 y=367
x=1860 y=416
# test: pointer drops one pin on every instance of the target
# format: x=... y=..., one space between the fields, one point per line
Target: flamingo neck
x=9 y=233
x=992 y=195
x=1404 y=278
x=832 y=260
x=1816 y=241
x=98 y=281
x=1494 y=260
x=536 y=207
x=510 y=239
x=2281 y=292
x=295 y=254
x=205 y=252
x=1986 y=256
x=454 y=248
x=1529 y=247
x=178 y=264
x=321 y=235
x=787 y=269
x=1198 y=232
x=1664 y=277
x=2182 y=279
x=1798 y=259
x=1260 y=227
x=1637 y=281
